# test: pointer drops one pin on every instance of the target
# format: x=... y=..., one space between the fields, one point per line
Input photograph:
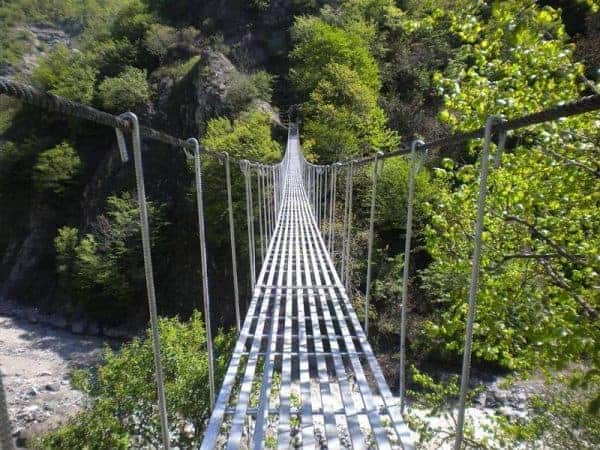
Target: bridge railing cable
x=149 y=272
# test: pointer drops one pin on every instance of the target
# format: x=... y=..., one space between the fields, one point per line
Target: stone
x=53 y=387
x=32 y=316
x=30 y=433
x=481 y=399
x=32 y=392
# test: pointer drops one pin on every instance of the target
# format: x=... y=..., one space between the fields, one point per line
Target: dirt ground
x=35 y=361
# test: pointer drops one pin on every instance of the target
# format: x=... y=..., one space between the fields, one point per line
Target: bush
x=157 y=40
x=392 y=194
x=66 y=73
x=56 y=169
x=247 y=87
x=248 y=136
x=124 y=394
x=103 y=270
x=14 y=44
x=558 y=417
x=126 y=91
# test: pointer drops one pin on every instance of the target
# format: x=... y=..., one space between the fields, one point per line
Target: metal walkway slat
x=302 y=374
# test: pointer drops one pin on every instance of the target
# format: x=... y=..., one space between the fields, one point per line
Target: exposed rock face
x=24 y=258
x=42 y=38
x=213 y=77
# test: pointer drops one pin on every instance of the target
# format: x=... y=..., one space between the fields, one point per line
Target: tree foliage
x=246 y=137
x=537 y=302
x=125 y=91
x=67 y=73
x=101 y=271
x=123 y=407
x=336 y=70
x=57 y=169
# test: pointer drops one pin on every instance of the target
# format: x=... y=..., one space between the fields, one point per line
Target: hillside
x=360 y=76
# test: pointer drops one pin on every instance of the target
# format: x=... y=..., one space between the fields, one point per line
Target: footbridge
x=302 y=374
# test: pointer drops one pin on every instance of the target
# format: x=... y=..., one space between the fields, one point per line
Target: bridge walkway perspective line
x=303 y=373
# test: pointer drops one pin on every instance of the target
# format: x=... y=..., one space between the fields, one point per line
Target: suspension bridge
x=302 y=373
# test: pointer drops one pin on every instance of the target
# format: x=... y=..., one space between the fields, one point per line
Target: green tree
x=102 y=271
x=319 y=43
x=124 y=397
x=158 y=39
x=244 y=88
x=125 y=92
x=343 y=118
x=247 y=137
x=537 y=303
x=335 y=68
x=66 y=73
x=56 y=169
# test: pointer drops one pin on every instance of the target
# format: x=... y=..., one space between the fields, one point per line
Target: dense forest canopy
x=362 y=76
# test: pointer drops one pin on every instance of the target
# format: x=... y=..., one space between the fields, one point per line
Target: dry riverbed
x=36 y=360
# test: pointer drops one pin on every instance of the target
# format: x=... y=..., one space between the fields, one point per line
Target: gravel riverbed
x=36 y=360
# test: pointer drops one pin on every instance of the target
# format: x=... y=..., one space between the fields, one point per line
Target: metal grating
x=302 y=374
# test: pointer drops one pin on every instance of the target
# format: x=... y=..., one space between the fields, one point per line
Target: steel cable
x=149 y=272
x=203 y=262
x=236 y=289
x=412 y=173
x=492 y=122
x=376 y=171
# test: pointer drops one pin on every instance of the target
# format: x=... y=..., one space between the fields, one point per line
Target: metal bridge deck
x=302 y=373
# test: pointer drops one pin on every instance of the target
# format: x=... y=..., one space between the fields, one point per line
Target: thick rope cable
x=55 y=103
x=492 y=122
x=376 y=171
x=236 y=288
x=149 y=272
x=203 y=262
x=51 y=102
x=412 y=173
x=6 y=442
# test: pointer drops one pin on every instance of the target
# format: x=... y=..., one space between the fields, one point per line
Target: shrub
x=56 y=169
x=66 y=73
x=14 y=44
x=126 y=91
x=124 y=394
x=248 y=136
x=157 y=40
x=103 y=269
x=247 y=87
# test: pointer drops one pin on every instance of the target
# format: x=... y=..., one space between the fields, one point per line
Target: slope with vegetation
x=366 y=75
